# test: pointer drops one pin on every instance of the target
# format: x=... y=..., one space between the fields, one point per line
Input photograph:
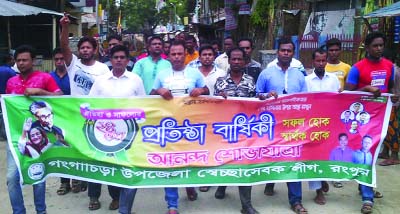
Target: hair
x=236 y=49
x=357 y=103
x=247 y=40
x=178 y=43
x=119 y=48
x=371 y=36
x=190 y=37
x=89 y=39
x=25 y=49
x=167 y=42
x=216 y=42
x=36 y=105
x=366 y=136
x=6 y=58
x=206 y=47
x=228 y=37
x=117 y=37
x=363 y=112
x=150 y=40
x=285 y=40
x=332 y=42
x=320 y=51
x=57 y=51
x=343 y=135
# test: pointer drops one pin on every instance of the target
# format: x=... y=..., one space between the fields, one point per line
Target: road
x=151 y=201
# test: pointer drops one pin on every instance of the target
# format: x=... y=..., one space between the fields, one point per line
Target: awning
x=9 y=8
x=388 y=11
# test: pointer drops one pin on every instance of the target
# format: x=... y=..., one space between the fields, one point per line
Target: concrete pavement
x=151 y=201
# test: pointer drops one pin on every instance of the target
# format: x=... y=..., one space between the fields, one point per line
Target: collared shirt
x=6 y=73
x=212 y=77
x=294 y=64
x=222 y=62
x=253 y=69
x=147 y=70
x=129 y=66
x=127 y=85
x=37 y=79
x=361 y=157
x=245 y=88
x=196 y=63
x=329 y=82
x=273 y=78
x=190 y=57
x=341 y=70
x=179 y=82
x=62 y=82
x=339 y=154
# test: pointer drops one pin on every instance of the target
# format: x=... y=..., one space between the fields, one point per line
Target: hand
x=394 y=98
x=196 y=92
x=33 y=91
x=374 y=90
x=64 y=21
x=222 y=94
x=27 y=124
x=165 y=93
x=273 y=94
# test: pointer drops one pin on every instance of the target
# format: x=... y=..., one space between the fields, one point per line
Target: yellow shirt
x=341 y=70
x=191 y=57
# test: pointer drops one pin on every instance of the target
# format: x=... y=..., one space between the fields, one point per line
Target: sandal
x=299 y=209
x=377 y=194
x=191 y=193
x=114 y=205
x=94 y=204
x=64 y=189
x=76 y=186
x=172 y=211
x=83 y=186
x=366 y=208
x=337 y=185
x=204 y=189
x=325 y=186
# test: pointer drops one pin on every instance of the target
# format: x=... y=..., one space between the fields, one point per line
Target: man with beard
x=282 y=78
x=83 y=72
x=320 y=80
x=29 y=83
x=148 y=67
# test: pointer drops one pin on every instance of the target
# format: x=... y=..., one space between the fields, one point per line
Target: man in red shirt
x=28 y=82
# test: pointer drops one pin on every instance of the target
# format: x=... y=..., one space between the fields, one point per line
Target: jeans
x=15 y=190
x=367 y=193
x=94 y=191
x=126 y=198
x=294 y=192
x=171 y=196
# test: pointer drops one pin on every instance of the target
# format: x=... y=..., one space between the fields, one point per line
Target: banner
x=150 y=142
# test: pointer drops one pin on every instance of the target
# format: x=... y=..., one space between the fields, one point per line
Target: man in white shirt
x=320 y=80
x=222 y=60
x=120 y=83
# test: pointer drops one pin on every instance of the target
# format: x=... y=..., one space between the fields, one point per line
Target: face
x=366 y=143
x=207 y=57
x=347 y=115
x=356 y=107
x=320 y=62
x=112 y=43
x=334 y=52
x=363 y=117
x=180 y=36
x=285 y=53
x=86 y=51
x=155 y=47
x=228 y=44
x=189 y=44
x=45 y=117
x=375 y=49
x=343 y=141
x=59 y=61
x=119 y=60
x=246 y=47
x=236 y=61
x=36 y=136
x=354 y=125
x=166 y=48
x=215 y=47
x=177 y=57
x=24 y=62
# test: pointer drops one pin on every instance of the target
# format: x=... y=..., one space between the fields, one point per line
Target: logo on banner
x=36 y=171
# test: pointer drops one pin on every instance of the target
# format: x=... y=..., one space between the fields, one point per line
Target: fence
x=308 y=43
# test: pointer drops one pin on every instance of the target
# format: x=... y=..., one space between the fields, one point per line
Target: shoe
x=325 y=186
x=366 y=208
x=249 y=210
x=172 y=211
x=204 y=189
x=269 y=190
x=220 y=193
x=114 y=205
x=94 y=204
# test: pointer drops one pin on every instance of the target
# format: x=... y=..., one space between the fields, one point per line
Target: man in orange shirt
x=191 y=54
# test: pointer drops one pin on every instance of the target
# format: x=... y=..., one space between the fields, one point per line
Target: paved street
x=149 y=201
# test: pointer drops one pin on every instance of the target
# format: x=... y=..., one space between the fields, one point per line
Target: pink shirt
x=37 y=79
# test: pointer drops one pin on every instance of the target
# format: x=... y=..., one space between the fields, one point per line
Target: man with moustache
x=253 y=68
x=282 y=78
x=222 y=60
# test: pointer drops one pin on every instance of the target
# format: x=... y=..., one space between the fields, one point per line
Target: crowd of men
x=181 y=68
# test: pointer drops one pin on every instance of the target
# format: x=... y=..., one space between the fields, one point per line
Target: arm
x=199 y=91
x=64 y=41
x=38 y=91
x=163 y=92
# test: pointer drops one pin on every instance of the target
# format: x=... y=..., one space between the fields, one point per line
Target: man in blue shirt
x=60 y=75
x=6 y=72
x=283 y=79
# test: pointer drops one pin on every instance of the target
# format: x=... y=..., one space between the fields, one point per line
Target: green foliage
x=260 y=15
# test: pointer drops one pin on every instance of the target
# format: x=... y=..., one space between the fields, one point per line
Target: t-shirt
x=190 y=57
x=82 y=77
x=5 y=74
x=341 y=70
x=147 y=70
x=37 y=79
x=62 y=82
x=367 y=72
x=329 y=82
x=179 y=82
